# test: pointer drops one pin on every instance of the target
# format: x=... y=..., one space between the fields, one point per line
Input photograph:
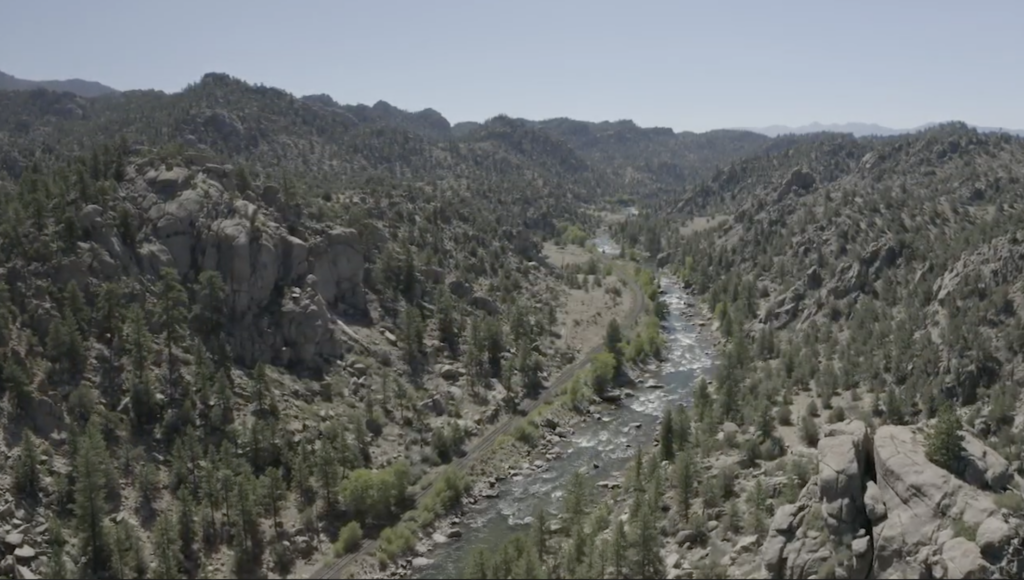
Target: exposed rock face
x=997 y=263
x=843 y=467
x=284 y=292
x=337 y=263
x=891 y=513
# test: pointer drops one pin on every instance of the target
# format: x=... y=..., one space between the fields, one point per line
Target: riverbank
x=415 y=528
x=523 y=475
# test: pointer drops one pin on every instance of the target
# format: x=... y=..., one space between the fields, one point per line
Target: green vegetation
x=175 y=271
x=349 y=538
x=228 y=400
x=572 y=234
x=647 y=343
x=581 y=552
x=944 y=445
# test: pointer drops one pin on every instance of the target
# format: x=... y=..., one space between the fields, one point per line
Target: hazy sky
x=677 y=63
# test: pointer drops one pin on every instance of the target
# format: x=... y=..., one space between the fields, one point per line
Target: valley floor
x=583 y=316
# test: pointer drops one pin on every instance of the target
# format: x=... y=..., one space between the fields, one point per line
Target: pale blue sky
x=677 y=63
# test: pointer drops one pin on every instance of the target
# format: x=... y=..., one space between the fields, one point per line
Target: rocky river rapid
x=602 y=446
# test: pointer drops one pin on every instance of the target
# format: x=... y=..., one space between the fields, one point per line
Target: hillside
x=234 y=322
x=639 y=161
x=79 y=87
x=864 y=419
x=648 y=162
x=241 y=330
x=870 y=292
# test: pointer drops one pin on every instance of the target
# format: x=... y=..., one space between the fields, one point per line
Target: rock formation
x=888 y=512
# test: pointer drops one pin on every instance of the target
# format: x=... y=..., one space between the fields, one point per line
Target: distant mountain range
x=860 y=129
x=79 y=87
x=430 y=121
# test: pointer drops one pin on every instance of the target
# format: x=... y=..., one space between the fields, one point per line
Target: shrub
x=348 y=539
x=784 y=415
x=396 y=542
x=809 y=430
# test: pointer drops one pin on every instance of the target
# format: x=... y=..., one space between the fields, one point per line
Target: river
x=607 y=443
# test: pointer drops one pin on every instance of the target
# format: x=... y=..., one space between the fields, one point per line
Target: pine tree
x=646 y=542
x=302 y=478
x=702 y=401
x=91 y=486
x=412 y=338
x=7 y=315
x=666 y=437
x=528 y=567
x=210 y=504
x=447 y=321
x=686 y=482
x=576 y=498
x=361 y=438
x=944 y=444
x=171 y=316
x=147 y=484
x=74 y=305
x=494 y=345
x=538 y=530
x=262 y=392
x=27 y=475
x=681 y=429
x=479 y=566
x=246 y=524
x=210 y=313
x=758 y=507
x=187 y=532
x=895 y=413
x=327 y=475
x=613 y=342
x=808 y=429
x=15 y=379
x=620 y=549
x=476 y=354
x=765 y=426
x=275 y=493
x=108 y=324
x=529 y=367
x=167 y=556
x=145 y=409
x=65 y=347
x=129 y=556
x=56 y=566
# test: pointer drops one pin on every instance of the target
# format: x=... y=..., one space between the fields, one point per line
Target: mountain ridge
x=80 y=87
x=435 y=124
x=860 y=129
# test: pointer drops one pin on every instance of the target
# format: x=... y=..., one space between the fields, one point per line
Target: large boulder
x=984 y=468
x=962 y=559
x=843 y=456
x=889 y=512
x=919 y=497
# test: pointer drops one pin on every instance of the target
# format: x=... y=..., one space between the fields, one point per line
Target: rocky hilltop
x=874 y=279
